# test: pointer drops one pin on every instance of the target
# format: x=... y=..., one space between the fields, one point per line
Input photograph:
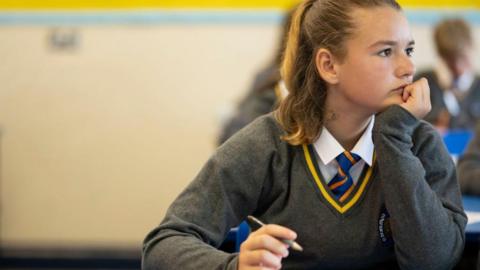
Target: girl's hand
x=263 y=249
x=416 y=98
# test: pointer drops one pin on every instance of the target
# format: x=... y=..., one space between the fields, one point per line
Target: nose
x=405 y=68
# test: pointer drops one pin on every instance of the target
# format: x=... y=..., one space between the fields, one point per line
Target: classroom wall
x=97 y=140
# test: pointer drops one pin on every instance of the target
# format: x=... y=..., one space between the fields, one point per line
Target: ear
x=326 y=66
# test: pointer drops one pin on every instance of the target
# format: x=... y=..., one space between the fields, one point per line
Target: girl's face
x=378 y=62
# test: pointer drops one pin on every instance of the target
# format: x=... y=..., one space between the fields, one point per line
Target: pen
x=294 y=245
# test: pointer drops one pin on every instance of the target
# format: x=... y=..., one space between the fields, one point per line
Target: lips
x=399 y=88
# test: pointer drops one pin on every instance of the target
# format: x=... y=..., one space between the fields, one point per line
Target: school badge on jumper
x=384 y=229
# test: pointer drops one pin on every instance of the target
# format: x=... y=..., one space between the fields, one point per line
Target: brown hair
x=273 y=75
x=315 y=24
x=452 y=37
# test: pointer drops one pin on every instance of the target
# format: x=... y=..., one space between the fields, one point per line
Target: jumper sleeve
x=227 y=188
x=469 y=166
x=421 y=192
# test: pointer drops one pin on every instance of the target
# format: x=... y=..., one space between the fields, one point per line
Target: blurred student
x=469 y=166
x=454 y=86
x=344 y=165
x=264 y=93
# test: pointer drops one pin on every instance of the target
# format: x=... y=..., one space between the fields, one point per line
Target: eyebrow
x=390 y=43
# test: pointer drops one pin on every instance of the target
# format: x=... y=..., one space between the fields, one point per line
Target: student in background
x=344 y=165
x=469 y=166
x=265 y=91
x=454 y=86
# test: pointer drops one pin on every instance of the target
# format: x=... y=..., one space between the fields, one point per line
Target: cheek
x=367 y=79
x=373 y=78
x=379 y=69
x=377 y=85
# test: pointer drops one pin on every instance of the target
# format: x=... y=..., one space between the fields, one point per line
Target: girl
x=343 y=167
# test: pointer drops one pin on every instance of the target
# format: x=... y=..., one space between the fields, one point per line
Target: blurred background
x=108 y=109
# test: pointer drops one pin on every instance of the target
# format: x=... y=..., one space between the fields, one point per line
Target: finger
x=427 y=94
x=277 y=231
x=406 y=93
x=423 y=99
x=262 y=258
x=422 y=84
x=267 y=242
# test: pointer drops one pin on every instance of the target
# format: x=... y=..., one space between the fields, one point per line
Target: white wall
x=97 y=142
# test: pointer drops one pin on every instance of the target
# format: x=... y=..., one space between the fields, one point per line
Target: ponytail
x=299 y=73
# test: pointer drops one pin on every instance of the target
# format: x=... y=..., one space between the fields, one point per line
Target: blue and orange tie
x=341 y=184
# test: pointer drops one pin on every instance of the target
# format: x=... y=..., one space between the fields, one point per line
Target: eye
x=386 y=52
x=410 y=51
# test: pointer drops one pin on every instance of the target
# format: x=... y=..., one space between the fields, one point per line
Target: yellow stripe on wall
x=440 y=3
x=122 y=4
x=192 y=4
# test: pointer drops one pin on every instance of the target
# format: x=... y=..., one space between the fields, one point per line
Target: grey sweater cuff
x=233 y=264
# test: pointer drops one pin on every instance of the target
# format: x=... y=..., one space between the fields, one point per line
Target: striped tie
x=342 y=183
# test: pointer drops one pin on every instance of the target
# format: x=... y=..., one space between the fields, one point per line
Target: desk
x=471 y=205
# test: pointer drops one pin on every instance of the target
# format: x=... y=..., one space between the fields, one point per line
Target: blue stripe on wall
x=194 y=17
x=141 y=17
x=433 y=16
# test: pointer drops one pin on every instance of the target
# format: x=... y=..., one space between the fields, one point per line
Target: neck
x=346 y=125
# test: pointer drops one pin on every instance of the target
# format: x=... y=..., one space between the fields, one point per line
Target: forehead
x=379 y=23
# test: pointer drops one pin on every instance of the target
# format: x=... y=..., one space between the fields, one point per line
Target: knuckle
x=263 y=255
x=264 y=240
x=242 y=247
x=268 y=228
x=241 y=258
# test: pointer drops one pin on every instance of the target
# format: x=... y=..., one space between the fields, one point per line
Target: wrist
x=395 y=119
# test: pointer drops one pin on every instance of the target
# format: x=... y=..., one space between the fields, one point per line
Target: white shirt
x=463 y=84
x=328 y=148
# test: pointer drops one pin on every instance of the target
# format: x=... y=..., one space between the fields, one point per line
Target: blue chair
x=235 y=237
x=457 y=140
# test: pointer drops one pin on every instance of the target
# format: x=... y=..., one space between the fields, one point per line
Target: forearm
x=425 y=227
x=174 y=250
x=193 y=228
x=427 y=222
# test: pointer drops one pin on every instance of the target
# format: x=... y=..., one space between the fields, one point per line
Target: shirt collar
x=465 y=81
x=328 y=148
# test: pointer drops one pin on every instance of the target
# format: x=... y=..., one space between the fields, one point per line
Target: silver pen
x=294 y=245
